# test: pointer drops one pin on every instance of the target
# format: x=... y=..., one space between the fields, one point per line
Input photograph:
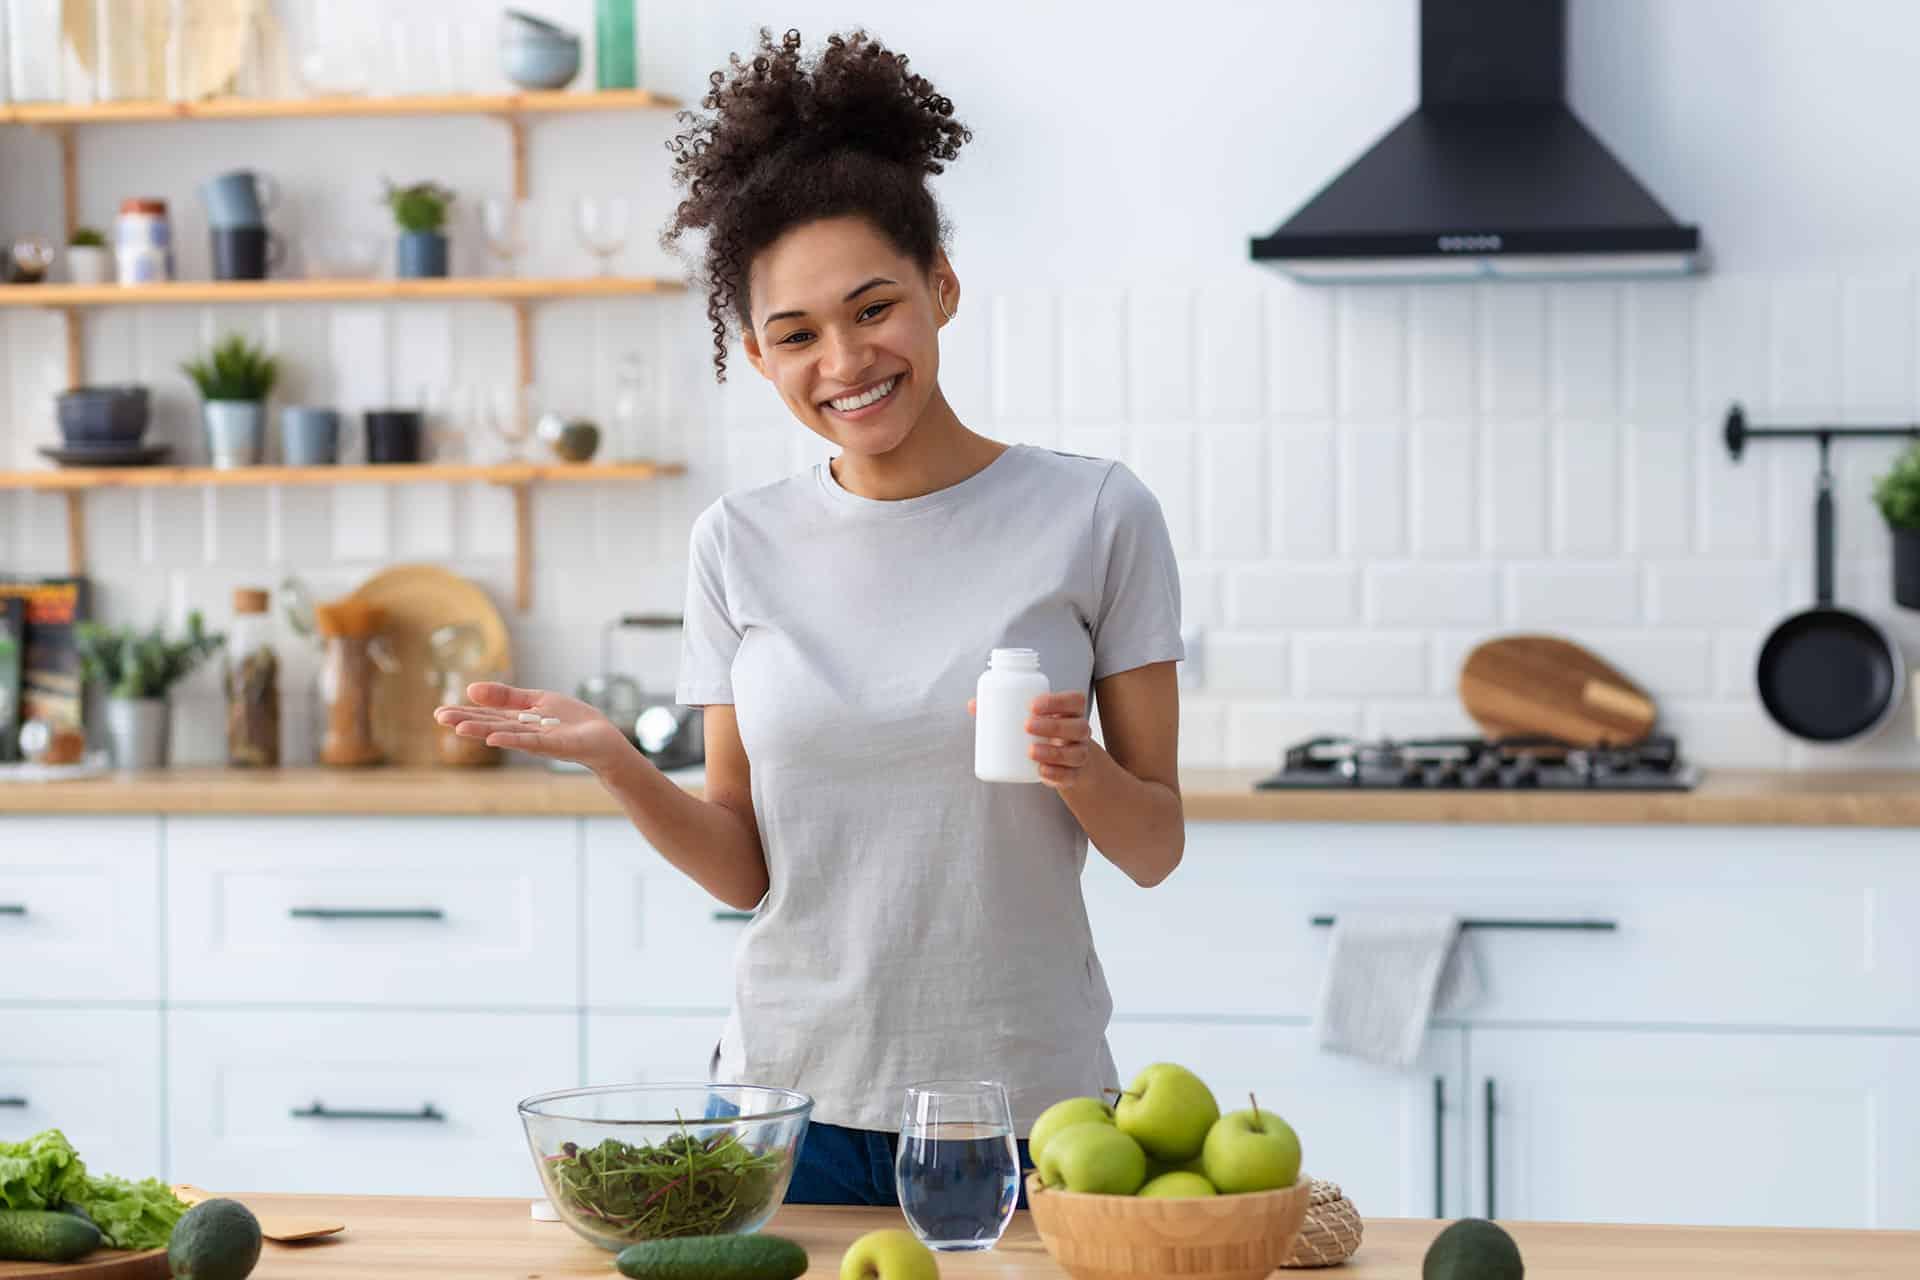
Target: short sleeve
x=711 y=637
x=1138 y=580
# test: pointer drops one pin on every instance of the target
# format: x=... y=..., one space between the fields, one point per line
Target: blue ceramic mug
x=239 y=199
x=309 y=435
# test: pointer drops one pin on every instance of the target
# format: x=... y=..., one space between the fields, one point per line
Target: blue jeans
x=837 y=1165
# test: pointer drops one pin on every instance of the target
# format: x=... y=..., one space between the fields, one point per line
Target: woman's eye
x=794 y=336
x=875 y=308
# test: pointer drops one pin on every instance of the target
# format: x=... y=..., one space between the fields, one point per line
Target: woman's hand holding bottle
x=539 y=723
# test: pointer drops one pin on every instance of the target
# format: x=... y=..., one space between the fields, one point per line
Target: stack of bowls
x=535 y=54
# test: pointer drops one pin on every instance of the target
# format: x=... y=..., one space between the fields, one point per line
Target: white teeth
x=849 y=403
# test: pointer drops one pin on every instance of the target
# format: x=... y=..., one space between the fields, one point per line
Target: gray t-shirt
x=920 y=924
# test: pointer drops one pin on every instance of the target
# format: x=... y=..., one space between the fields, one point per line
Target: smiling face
x=846 y=327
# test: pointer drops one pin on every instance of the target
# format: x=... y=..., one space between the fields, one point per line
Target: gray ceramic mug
x=309 y=435
x=239 y=199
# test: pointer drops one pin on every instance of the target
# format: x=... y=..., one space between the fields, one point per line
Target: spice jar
x=354 y=650
x=143 y=242
x=253 y=684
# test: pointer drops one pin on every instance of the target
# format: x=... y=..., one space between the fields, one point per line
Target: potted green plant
x=235 y=379
x=420 y=211
x=1897 y=493
x=88 y=261
x=138 y=670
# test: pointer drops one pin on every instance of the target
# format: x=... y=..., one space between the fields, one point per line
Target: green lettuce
x=45 y=1172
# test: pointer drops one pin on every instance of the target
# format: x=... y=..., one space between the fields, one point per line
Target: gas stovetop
x=1544 y=764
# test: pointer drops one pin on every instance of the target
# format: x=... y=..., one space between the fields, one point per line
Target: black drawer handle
x=733 y=917
x=367 y=913
x=13 y=1102
x=1584 y=926
x=1492 y=1148
x=320 y=1111
x=13 y=908
x=1439 y=1147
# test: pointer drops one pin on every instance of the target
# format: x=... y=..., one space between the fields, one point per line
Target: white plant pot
x=236 y=432
x=89 y=264
x=137 y=729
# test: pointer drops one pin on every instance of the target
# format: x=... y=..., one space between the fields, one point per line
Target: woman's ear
x=750 y=342
x=946 y=287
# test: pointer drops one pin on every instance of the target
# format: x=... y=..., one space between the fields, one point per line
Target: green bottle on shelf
x=615 y=51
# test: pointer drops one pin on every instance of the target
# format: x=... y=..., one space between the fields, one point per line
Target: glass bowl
x=630 y=1162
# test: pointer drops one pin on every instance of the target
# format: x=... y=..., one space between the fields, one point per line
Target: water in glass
x=958 y=1168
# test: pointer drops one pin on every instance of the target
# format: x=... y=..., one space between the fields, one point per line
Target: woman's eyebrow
x=871 y=284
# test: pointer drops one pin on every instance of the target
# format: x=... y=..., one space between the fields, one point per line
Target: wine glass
x=507 y=225
x=958 y=1167
x=601 y=223
x=503 y=418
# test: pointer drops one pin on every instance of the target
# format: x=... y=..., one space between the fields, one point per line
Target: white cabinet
x=655 y=939
x=94 y=1074
x=634 y=1048
x=374 y=911
x=79 y=908
x=1695 y=1127
x=1391 y=1139
x=362 y=1102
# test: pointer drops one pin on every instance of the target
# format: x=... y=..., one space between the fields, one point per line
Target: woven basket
x=1332 y=1230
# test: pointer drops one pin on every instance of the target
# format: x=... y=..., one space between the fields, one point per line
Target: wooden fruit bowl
x=1244 y=1237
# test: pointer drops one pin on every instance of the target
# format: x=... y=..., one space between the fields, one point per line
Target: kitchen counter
x=1888 y=798
x=398 y=1238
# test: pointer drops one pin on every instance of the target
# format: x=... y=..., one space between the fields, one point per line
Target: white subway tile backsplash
x=362 y=522
x=1360 y=664
x=1371 y=346
x=1163 y=458
x=1586 y=360
x=1238 y=663
x=172 y=528
x=1587 y=498
x=966 y=360
x=1160 y=344
x=1374 y=490
x=1658 y=506
x=1877 y=349
x=1093 y=356
x=1299 y=337
x=1659 y=350
x=1731 y=319
x=239 y=525
x=1736 y=660
x=1666 y=662
x=1513 y=350
x=1417 y=718
x=1514 y=479
x=486 y=517
x=1231 y=338
x=1424 y=594
x=1293 y=596
x=1203 y=731
x=1026 y=356
x=1734 y=735
x=1258 y=732
x=423 y=519
x=1806 y=348
x=1735 y=506
x=1236 y=491
x=1569 y=594
x=1716 y=593
x=1306 y=485
x=1442 y=343
x=1096 y=442
x=1444 y=490
x=1203 y=594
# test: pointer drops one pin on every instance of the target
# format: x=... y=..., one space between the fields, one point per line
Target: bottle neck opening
x=1014 y=660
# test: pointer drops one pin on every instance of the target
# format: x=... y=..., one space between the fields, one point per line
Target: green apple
x=1168 y=1111
x=1178 y=1185
x=1253 y=1150
x=889 y=1255
x=1059 y=1116
x=1093 y=1157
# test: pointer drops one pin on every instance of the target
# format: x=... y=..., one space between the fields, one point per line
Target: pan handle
x=1823 y=531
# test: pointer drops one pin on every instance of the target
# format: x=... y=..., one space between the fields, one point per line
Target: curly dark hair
x=855 y=134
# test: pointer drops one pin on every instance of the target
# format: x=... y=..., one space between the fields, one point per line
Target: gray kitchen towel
x=1387 y=973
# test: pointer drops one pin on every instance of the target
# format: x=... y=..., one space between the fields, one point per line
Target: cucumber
x=713 y=1258
x=36 y=1235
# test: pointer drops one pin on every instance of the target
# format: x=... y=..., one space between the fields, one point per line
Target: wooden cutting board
x=1529 y=684
x=419 y=598
x=101 y=1264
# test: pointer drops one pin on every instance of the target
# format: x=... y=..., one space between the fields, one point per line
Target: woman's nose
x=846 y=360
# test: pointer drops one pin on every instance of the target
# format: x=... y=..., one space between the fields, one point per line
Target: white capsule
x=529 y=717
x=547 y=722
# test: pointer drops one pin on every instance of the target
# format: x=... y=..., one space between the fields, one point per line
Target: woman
x=911 y=922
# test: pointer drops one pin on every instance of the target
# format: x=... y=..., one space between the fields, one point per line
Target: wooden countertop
x=397 y=1238
x=1888 y=798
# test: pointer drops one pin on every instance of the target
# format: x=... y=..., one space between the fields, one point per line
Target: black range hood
x=1491 y=176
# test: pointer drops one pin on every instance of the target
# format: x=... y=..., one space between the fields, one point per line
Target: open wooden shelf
x=448 y=289
x=335 y=107
x=74 y=483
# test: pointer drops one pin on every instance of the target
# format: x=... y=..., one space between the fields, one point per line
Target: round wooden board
x=419 y=598
x=215 y=36
x=1523 y=685
x=101 y=1264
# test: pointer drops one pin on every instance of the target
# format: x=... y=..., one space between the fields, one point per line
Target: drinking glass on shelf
x=958 y=1168
x=601 y=223
x=506 y=224
x=507 y=416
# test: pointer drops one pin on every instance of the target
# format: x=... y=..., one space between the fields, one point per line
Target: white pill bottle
x=1003 y=703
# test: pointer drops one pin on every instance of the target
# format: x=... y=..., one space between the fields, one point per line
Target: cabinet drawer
x=633 y=1048
x=655 y=939
x=79 y=908
x=94 y=1074
x=1713 y=925
x=441 y=911
x=363 y=1102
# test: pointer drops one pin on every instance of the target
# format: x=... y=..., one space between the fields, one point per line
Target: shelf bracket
x=522 y=361
x=69 y=180
x=517 y=142
x=76 y=531
x=523 y=547
x=76 y=347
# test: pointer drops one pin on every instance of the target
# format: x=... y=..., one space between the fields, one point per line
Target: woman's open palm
x=558 y=727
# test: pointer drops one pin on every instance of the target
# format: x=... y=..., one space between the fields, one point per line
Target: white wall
x=1361 y=482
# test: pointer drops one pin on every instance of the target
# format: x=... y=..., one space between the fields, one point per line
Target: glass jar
x=353 y=649
x=635 y=421
x=457 y=653
x=253 y=684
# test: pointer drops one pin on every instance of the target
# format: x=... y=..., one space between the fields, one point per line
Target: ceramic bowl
x=540 y=62
x=102 y=415
x=1242 y=1237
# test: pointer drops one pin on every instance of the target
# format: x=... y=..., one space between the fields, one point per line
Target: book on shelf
x=50 y=684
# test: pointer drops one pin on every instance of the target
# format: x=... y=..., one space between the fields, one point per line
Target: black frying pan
x=1827 y=674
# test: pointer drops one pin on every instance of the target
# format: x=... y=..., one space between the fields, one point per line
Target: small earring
x=940 y=296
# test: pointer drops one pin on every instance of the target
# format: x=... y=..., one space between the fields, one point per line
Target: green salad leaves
x=45 y=1172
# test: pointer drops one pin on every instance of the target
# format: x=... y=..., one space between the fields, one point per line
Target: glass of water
x=958 y=1170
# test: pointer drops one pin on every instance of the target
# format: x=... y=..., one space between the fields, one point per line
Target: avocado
x=39 y=1235
x=215 y=1240
x=713 y=1258
x=1473 y=1249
